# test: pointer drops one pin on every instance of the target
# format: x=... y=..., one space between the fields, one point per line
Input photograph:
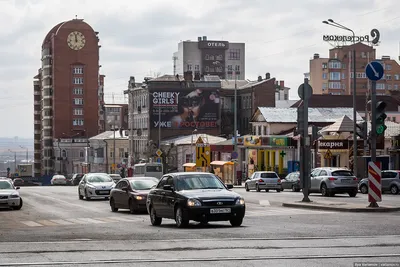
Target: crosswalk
x=81 y=221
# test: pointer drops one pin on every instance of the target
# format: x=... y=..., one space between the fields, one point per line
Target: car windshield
x=198 y=181
x=143 y=184
x=268 y=175
x=342 y=173
x=99 y=179
x=153 y=169
x=6 y=185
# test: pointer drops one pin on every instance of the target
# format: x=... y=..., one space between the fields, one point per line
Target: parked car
x=330 y=181
x=292 y=181
x=115 y=177
x=58 y=179
x=131 y=193
x=263 y=180
x=9 y=195
x=390 y=182
x=95 y=185
x=76 y=178
x=18 y=182
x=196 y=196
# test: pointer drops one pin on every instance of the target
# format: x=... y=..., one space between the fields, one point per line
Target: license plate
x=225 y=210
x=346 y=181
x=271 y=184
x=103 y=192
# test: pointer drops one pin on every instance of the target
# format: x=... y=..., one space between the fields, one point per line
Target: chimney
x=199 y=38
x=188 y=76
x=267 y=76
x=316 y=56
x=204 y=38
x=282 y=84
x=259 y=78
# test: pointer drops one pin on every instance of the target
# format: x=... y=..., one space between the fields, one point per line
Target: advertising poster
x=184 y=109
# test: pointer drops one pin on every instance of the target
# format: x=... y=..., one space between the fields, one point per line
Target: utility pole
x=114 y=149
x=235 y=127
x=159 y=126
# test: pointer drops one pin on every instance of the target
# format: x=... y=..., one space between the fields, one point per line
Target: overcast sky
x=139 y=37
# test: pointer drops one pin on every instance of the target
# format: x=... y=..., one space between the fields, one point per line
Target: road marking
x=89 y=220
x=123 y=219
x=62 y=222
x=265 y=203
x=77 y=221
x=106 y=220
x=31 y=223
x=47 y=223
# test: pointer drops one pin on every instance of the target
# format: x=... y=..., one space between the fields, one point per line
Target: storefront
x=395 y=153
x=334 y=153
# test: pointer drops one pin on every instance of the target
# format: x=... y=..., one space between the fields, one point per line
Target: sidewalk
x=238 y=186
x=339 y=206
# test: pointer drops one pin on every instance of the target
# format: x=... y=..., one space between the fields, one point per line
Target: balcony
x=37 y=112
x=48 y=127
x=37 y=132
x=37 y=122
x=36 y=92
x=36 y=102
x=37 y=141
x=48 y=117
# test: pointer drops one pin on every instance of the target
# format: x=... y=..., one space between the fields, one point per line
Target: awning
x=221 y=163
x=189 y=165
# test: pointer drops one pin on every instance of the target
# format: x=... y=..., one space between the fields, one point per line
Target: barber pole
x=374 y=182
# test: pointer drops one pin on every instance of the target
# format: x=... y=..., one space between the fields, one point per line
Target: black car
x=131 y=193
x=196 y=196
x=76 y=178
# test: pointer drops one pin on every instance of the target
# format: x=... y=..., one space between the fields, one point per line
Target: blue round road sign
x=119 y=166
x=234 y=155
x=374 y=71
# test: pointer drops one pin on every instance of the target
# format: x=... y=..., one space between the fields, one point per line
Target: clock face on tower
x=76 y=40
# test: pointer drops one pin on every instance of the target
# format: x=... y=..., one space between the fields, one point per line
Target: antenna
x=113 y=98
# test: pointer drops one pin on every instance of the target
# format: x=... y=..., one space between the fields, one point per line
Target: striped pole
x=374 y=183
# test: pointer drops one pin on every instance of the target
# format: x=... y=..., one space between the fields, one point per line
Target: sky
x=139 y=37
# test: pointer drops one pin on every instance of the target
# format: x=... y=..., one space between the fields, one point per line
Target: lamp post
x=191 y=146
x=340 y=26
x=27 y=153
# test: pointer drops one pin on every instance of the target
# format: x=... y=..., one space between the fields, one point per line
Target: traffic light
x=380 y=118
x=362 y=130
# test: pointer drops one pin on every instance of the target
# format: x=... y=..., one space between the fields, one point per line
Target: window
x=259 y=130
x=335 y=76
x=361 y=75
x=343 y=75
x=396 y=87
x=78 y=70
x=207 y=68
x=207 y=57
x=78 y=101
x=388 y=76
x=324 y=65
x=162 y=182
x=78 y=111
x=265 y=130
x=234 y=54
x=335 y=65
x=343 y=66
x=230 y=68
x=78 y=91
x=363 y=54
x=111 y=154
x=237 y=68
x=389 y=87
x=388 y=67
x=335 y=85
x=81 y=154
x=189 y=67
x=196 y=67
x=78 y=80
x=324 y=76
x=324 y=85
x=77 y=122
x=380 y=86
x=121 y=152
x=64 y=153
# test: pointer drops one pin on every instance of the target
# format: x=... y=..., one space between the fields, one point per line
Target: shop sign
x=333 y=144
x=278 y=141
x=252 y=140
x=395 y=142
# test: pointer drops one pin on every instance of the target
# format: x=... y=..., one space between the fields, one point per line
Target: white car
x=9 y=195
x=58 y=179
x=95 y=185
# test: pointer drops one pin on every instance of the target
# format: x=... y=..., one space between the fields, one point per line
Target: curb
x=345 y=209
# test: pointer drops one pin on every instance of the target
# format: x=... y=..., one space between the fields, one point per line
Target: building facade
x=70 y=90
x=210 y=57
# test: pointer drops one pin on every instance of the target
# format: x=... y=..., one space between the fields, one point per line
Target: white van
x=148 y=169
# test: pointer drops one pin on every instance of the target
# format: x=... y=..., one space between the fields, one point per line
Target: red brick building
x=68 y=90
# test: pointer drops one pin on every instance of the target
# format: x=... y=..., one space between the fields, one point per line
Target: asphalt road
x=55 y=228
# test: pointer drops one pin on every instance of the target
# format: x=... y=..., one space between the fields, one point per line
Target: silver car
x=95 y=185
x=331 y=181
x=264 y=180
x=390 y=182
x=9 y=195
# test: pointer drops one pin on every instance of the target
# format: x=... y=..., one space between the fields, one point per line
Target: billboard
x=184 y=109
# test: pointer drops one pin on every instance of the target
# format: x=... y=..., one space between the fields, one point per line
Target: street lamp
x=27 y=153
x=340 y=26
x=191 y=145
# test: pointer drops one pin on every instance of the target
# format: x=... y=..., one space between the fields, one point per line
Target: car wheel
x=246 y=187
x=293 y=188
x=267 y=190
x=87 y=195
x=132 y=207
x=153 y=217
x=19 y=206
x=353 y=194
x=278 y=190
x=394 y=190
x=364 y=189
x=324 y=190
x=79 y=194
x=236 y=222
x=112 y=205
x=179 y=220
x=258 y=188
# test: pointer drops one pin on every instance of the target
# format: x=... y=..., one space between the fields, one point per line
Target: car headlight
x=193 y=202
x=14 y=196
x=240 y=201
x=91 y=187
x=139 y=197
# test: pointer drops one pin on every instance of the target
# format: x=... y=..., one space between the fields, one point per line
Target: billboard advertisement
x=184 y=109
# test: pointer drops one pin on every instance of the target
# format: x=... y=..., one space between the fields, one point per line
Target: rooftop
x=109 y=135
x=188 y=140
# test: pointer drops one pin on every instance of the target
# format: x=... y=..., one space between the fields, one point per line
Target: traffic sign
x=203 y=156
x=199 y=140
x=305 y=91
x=328 y=154
x=118 y=165
x=374 y=71
x=374 y=182
x=158 y=159
x=234 y=155
x=113 y=166
x=159 y=152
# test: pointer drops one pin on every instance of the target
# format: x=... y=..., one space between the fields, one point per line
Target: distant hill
x=15 y=144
